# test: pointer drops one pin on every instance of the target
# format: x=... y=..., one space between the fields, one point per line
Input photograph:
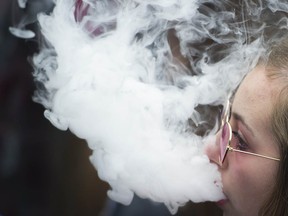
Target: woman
x=257 y=183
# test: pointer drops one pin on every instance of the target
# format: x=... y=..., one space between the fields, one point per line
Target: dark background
x=45 y=171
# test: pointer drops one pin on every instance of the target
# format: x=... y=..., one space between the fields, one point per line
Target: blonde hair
x=277 y=69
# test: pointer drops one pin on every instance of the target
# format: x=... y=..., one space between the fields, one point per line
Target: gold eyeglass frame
x=225 y=120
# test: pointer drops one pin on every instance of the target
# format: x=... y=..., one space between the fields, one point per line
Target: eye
x=238 y=142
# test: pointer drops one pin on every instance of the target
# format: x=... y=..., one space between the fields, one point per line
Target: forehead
x=255 y=97
x=256 y=86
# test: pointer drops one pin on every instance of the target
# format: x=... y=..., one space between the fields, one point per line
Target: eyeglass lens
x=224 y=140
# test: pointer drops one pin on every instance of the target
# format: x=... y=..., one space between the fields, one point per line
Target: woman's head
x=259 y=120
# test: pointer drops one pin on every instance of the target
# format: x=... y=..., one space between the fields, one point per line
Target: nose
x=212 y=150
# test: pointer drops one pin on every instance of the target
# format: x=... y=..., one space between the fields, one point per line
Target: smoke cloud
x=138 y=78
x=24 y=14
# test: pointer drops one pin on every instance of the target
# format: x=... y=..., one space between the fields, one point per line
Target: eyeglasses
x=226 y=137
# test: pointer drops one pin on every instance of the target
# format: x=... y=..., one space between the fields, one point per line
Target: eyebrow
x=240 y=118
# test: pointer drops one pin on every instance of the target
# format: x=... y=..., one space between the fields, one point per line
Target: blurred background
x=45 y=171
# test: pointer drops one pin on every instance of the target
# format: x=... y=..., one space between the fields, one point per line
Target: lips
x=222 y=202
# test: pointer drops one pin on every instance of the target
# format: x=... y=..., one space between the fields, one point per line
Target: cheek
x=248 y=182
x=239 y=185
x=236 y=178
x=249 y=171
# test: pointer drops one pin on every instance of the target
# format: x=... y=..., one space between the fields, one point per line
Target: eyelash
x=239 y=142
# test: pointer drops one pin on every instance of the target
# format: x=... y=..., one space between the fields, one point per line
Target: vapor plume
x=138 y=79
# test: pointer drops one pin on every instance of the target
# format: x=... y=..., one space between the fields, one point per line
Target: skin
x=248 y=180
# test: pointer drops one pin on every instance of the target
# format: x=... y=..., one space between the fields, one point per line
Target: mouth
x=222 y=202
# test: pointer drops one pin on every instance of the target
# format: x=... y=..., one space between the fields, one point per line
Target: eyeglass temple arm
x=250 y=153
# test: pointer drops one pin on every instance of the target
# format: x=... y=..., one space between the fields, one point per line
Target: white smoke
x=25 y=14
x=110 y=75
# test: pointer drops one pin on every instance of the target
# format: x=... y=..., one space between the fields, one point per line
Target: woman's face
x=248 y=180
